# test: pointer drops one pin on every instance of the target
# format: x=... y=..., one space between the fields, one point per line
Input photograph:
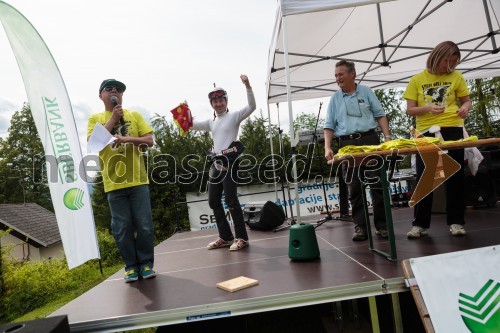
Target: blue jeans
x=132 y=225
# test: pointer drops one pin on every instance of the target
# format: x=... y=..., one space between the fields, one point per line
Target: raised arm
x=247 y=110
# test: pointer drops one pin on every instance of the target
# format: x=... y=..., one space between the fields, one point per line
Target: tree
x=392 y=102
x=399 y=122
x=22 y=163
x=308 y=122
x=100 y=207
x=484 y=115
x=255 y=135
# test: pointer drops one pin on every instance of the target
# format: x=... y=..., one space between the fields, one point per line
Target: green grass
x=46 y=310
x=49 y=308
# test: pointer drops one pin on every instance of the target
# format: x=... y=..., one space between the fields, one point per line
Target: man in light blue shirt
x=357 y=112
x=353 y=114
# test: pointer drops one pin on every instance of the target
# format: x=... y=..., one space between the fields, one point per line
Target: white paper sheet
x=99 y=139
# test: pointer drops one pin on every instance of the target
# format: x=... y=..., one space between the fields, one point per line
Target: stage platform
x=185 y=288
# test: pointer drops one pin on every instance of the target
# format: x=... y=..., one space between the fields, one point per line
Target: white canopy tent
x=389 y=41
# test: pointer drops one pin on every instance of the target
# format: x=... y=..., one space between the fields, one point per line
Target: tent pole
x=488 y=20
x=272 y=149
x=290 y=114
x=381 y=32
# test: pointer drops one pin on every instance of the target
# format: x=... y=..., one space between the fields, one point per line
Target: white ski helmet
x=216 y=93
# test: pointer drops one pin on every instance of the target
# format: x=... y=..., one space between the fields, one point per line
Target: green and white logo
x=481 y=312
x=73 y=199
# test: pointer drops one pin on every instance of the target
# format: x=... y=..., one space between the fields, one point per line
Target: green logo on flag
x=481 y=312
x=73 y=199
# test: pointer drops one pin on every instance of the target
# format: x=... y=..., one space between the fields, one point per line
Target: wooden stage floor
x=185 y=288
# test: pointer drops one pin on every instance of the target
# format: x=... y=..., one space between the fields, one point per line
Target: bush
x=31 y=284
x=110 y=255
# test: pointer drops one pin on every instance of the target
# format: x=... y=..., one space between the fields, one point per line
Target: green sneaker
x=147 y=272
x=131 y=276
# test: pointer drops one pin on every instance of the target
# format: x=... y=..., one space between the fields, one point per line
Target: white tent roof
x=389 y=42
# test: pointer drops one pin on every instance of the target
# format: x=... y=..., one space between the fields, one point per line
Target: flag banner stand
x=54 y=120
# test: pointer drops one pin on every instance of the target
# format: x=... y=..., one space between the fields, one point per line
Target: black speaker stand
x=341 y=217
x=289 y=220
x=327 y=218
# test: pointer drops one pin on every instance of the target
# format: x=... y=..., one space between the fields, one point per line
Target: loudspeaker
x=483 y=188
x=491 y=162
x=480 y=190
x=57 y=324
x=263 y=215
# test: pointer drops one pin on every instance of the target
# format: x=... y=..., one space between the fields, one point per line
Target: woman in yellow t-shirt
x=432 y=97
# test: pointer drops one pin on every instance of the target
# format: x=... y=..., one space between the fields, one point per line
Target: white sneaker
x=417 y=232
x=238 y=244
x=457 y=230
x=218 y=243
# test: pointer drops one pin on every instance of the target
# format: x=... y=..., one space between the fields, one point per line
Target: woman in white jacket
x=223 y=176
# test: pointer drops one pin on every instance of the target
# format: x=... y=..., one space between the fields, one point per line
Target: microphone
x=114 y=101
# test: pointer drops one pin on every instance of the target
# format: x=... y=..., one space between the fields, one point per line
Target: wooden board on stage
x=408 y=151
x=417 y=296
x=236 y=284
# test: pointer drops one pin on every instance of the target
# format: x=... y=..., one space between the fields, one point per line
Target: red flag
x=182 y=117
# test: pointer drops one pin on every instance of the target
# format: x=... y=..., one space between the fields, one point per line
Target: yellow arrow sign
x=439 y=166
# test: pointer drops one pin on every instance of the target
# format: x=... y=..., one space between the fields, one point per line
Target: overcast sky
x=165 y=51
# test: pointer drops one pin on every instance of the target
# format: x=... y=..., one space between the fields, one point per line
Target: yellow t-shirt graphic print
x=122 y=166
x=443 y=90
x=437 y=95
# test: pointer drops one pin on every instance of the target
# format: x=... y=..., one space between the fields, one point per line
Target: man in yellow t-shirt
x=125 y=180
